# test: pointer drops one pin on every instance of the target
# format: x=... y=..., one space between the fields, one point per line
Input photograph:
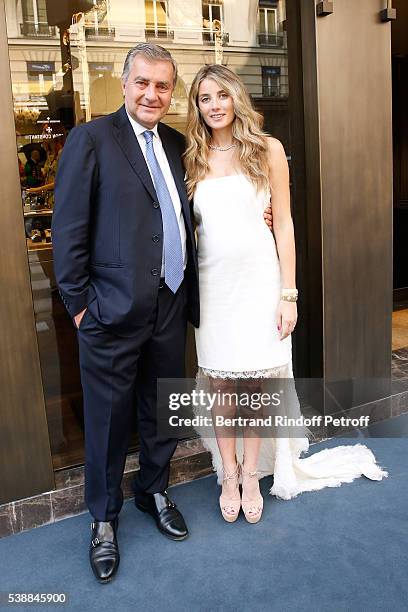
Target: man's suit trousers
x=119 y=375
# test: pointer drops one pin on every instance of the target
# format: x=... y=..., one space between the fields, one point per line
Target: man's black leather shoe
x=168 y=519
x=104 y=550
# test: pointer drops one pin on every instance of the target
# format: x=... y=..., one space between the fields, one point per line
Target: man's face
x=148 y=90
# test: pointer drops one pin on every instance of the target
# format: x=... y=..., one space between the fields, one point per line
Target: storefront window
x=66 y=61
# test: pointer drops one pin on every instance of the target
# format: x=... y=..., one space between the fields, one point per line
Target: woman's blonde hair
x=246 y=129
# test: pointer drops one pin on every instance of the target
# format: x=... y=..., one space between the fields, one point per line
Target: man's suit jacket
x=107 y=229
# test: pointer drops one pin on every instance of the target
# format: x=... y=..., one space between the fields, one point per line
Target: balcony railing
x=32 y=29
x=270 y=40
x=209 y=37
x=270 y=91
x=159 y=33
x=100 y=33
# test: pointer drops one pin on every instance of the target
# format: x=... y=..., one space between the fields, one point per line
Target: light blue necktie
x=172 y=251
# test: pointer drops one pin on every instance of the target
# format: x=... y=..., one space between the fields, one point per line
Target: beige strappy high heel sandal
x=251 y=506
x=230 y=504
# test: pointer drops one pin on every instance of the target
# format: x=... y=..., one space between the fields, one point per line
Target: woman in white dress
x=248 y=294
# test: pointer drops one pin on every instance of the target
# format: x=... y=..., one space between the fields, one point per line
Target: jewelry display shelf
x=38 y=246
x=41 y=212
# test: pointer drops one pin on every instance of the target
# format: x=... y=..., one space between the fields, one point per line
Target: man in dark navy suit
x=126 y=268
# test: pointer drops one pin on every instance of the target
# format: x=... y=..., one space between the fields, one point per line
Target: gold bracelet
x=286 y=291
x=289 y=298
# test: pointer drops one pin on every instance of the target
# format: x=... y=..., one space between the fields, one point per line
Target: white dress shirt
x=168 y=176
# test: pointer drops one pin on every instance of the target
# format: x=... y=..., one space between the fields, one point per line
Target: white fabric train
x=281 y=456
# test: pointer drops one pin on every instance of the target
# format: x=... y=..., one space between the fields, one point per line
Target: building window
x=35 y=19
x=157 y=19
x=97 y=25
x=212 y=13
x=270 y=81
x=268 y=25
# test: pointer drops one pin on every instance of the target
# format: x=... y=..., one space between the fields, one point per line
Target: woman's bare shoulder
x=276 y=153
x=274 y=145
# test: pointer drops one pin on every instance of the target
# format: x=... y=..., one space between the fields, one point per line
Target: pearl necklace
x=215 y=148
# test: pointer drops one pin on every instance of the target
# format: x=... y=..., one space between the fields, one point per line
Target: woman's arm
x=283 y=230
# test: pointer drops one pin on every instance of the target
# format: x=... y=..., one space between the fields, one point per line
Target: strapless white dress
x=240 y=285
x=239 y=280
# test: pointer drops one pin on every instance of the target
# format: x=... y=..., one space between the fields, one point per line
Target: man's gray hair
x=152 y=53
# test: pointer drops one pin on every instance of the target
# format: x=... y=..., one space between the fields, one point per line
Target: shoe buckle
x=169 y=503
x=95 y=542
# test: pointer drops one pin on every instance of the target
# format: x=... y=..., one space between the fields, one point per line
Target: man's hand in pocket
x=78 y=317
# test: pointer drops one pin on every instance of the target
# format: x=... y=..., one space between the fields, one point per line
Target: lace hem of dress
x=224 y=374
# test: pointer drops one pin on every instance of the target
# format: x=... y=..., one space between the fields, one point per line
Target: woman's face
x=215 y=105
